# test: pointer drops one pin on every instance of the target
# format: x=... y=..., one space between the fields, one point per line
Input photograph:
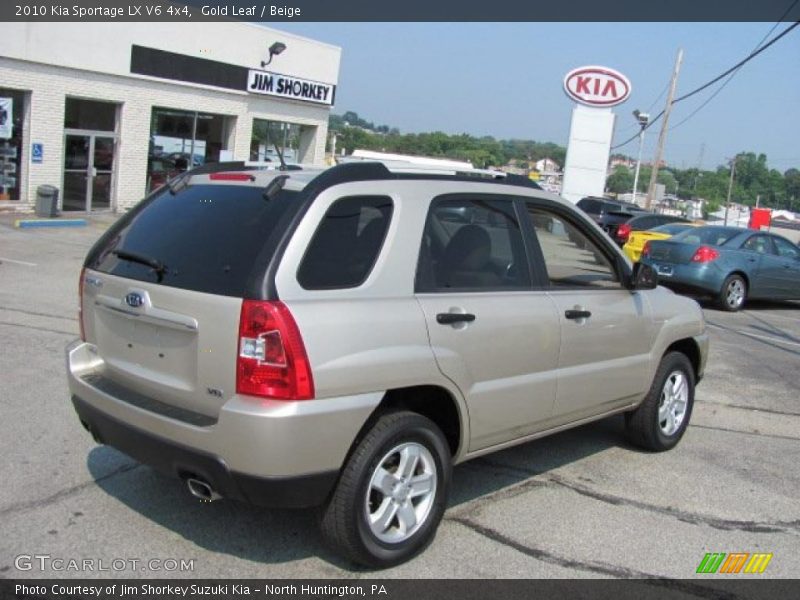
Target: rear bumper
x=174 y=459
x=694 y=278
x=266 y=452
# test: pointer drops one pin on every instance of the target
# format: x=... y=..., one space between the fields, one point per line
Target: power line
x=738 y=65
x=727 y=81
x=649 y=108
x=747 y=59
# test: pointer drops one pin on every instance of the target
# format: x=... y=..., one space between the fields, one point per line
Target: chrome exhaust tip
x=202 y=490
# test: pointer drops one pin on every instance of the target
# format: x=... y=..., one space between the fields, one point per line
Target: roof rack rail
x=406 y=166
x=368 y=170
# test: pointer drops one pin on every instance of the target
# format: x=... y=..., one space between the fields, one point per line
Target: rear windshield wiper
x=159 y=267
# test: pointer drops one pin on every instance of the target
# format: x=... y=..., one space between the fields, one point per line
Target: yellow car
x=637 y=239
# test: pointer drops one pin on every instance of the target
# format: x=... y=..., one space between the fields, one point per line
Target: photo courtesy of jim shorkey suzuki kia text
x=192 y=590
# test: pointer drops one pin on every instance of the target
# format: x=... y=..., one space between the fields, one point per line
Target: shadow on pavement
x=278 y=536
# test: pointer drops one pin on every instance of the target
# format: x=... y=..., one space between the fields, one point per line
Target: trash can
x=46 y=201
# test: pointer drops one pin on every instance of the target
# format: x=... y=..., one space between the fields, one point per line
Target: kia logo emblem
x=597 y=86
x=134 y=300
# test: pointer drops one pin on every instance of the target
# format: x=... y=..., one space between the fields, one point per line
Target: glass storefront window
x=12 y=119
x=90 y=115
x=269 y=134
x=181 y=140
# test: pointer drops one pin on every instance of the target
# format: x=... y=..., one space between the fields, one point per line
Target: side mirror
x=644 y=277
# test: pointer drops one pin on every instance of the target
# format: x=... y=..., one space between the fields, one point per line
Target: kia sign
x=597 y=86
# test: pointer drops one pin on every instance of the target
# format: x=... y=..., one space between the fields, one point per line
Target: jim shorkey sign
x=8 y=152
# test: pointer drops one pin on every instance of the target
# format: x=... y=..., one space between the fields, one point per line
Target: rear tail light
x=646 y=249
x=705 y=254
x=80 y=304
x=272 y=360
x=623 y=231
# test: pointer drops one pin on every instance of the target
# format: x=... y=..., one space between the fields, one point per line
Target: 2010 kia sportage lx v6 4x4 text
x=343 y=337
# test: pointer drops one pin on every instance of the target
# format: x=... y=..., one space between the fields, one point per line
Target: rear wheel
x=663 y=416
x=392 y=492
x=733 y=293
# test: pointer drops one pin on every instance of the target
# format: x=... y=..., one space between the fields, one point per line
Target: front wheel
x=733 y=293
x=663 y=416
x=392 y=492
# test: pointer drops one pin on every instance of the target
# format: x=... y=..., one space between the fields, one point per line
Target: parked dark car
x=642 y=222
x=730 y=264
x=610 y=222
x=597 y=208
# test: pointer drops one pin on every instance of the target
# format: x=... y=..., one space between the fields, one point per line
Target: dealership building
x=106 y=112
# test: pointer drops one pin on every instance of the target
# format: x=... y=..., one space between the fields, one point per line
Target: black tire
x=733 y=294
x=344 y=520
x=645 y=426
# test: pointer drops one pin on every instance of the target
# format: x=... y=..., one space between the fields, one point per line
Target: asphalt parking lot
x=576 y=505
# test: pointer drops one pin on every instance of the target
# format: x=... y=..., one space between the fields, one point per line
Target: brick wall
x=49 y=87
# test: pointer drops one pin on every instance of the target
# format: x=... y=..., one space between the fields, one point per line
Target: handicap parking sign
x=37 y=152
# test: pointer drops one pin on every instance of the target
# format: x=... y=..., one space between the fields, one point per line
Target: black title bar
x=733 y=588
x=406 y=10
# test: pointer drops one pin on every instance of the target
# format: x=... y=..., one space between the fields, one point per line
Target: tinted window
x=592 y=206
x=206 y=237
x=716 y=236
x=758 y=243
x=672 y=228
x=481 y=249
x=786 y=249
x=644 y=223
x=572 y=259
x=650 y=221
x=346 y=244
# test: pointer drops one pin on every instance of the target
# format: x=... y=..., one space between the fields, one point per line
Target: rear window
x=205 y=238
x=672 y=228
x=589 y=205
x=716 y=236
x=645 y=222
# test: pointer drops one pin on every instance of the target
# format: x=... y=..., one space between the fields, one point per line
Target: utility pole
x=730 y=187
x=662 y=137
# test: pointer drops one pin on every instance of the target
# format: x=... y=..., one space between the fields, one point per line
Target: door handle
x=451 y=318
x=577 y=314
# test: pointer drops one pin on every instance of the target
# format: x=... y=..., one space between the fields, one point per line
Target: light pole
x=643 y=119
x=730 y=188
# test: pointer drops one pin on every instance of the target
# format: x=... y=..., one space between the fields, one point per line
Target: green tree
x=791 y=179
x=620 y=181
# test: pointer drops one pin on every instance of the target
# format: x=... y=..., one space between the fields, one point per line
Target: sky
x=505 y=80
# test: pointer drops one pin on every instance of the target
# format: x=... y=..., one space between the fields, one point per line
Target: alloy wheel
x=401 y=492
x=734 y=294
x=673 y=402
